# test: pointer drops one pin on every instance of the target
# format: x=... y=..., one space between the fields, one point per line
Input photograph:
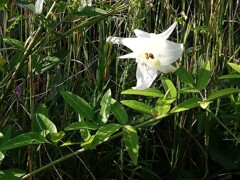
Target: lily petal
x=167 y=69
x=170 y=53
x=167 y=33
x=130 y=55
x=145 y=76
x=135 y=44
x=141 y=34
x=39 y=6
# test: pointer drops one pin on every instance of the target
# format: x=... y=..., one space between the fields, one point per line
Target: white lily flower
x=39 y=6
x=153 y=54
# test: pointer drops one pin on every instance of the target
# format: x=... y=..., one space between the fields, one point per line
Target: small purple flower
x=17 y=90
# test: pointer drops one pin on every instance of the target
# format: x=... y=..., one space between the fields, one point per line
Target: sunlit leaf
x=85 y=133
x=203 y=76
x=188 y=90
x=169 y=86
x=230 y=76
x=23 y=140
x=78 y=104
x=222 y=93
x=56 y=137
x=14 y=42
x=89 y=11
x=105 y=108
x=82 y=125
x=41 y=122
x=104 y=133
x=236 y=67
x=186 y=105
x=139 y=106
x=145 y=92
x=204 y=104
x=130 y=138
x=119 y=112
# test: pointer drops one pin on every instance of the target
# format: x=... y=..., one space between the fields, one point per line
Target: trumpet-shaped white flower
x=153 y=54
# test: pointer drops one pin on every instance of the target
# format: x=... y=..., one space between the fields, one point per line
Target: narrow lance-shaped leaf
x=130 y=138
x=104 y=133
x=185 y=76
x=203 y=76
x=235 y=67
x=119 y=112
x=230 y=76
x=169 y=86
x=23 y=140
x=82 y=125
x=85 y=133
x=89 y=11
x=78 y=104
x=145 y=92
x=105 y=108
x=41 y=123
x=139 y=106
x=186 y=105
x=222 y=93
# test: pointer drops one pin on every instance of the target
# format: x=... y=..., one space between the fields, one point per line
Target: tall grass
x=64 y=49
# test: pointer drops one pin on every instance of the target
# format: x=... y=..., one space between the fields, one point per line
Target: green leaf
x=204 y=104
x=23 y=140
x=188 y=90
x=186 y=105
x=163 y=106
x=2 y=156
x=185 y=76
x=222 y=93
x=139 y=106
x=11 y=174
x=120 y=113
x=85 y=133
x=230 y=76
x=42 y=109
x=89 y=11
x=82 y=125
x=145 y=92
x=235 y=67
x=104 y=133
x=50 y=61
x=56 y=137
x=14 y=42
x=130 y=138
x=5 y=134
x=169 y=86
x=41 y=123
x=105 y=108
x=203 y=76
x=27 y=5
x=78 y=104
x=2 y=4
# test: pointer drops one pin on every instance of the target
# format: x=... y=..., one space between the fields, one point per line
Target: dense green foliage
x=67 y=110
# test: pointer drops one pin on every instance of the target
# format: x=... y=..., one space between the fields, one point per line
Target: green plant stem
x=25 y=56
x=153 y=120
